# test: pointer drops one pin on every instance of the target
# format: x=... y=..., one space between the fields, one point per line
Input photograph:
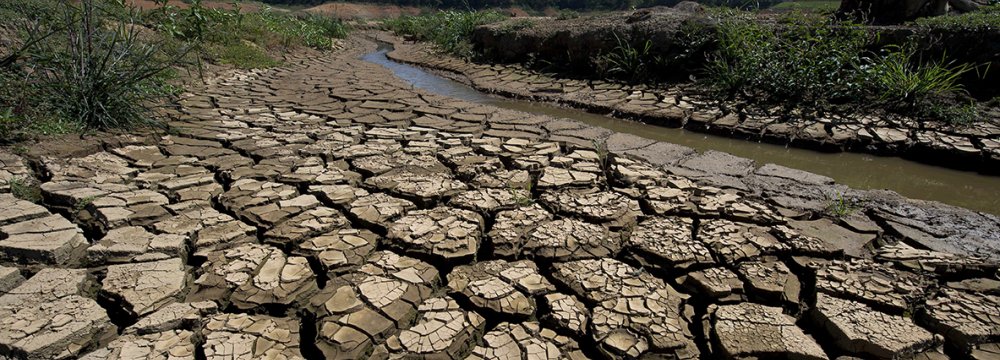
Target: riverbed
x=861 y=171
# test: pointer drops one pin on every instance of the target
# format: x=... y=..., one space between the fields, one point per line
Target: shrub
x=898 y=78
x=985 y=19
x=627 y=62
x=244 y=55
x=449 y=30
x=103 y=71
x=804 y=59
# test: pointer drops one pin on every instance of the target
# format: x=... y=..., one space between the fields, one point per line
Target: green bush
x=897 y=77
x=103 y=71
x=804 y=59
x=985 y=19
x=244 y=55
x=449 y=30
x=626 y=61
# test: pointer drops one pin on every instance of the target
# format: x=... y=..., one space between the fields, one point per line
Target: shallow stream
x=860 y=171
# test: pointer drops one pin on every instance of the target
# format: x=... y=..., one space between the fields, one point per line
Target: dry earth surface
x=327 y=209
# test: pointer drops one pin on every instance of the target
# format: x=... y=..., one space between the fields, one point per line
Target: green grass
x=449 y=30
x=244 y=55
x=25 y=189
x=814 y=62
x=821 y=6
x=102 y=65
x=986 y=18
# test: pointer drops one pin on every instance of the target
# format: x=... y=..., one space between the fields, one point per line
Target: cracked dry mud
x=327 y=210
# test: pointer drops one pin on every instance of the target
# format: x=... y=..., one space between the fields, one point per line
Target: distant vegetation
x=449 y=30
x=71 y=66
x=806 y=61
x=579 y=5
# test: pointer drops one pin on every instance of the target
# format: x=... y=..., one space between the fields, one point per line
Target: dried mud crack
x=325 y=209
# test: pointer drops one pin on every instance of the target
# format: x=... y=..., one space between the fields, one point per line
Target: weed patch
x=449 y=30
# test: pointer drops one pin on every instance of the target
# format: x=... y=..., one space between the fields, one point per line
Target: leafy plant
x=449 y=30
x=102 y=70
x=804 y=60
x=25 y=189
x=898 y=78
x=839 y=206
x=627 y=62
x=520 y=199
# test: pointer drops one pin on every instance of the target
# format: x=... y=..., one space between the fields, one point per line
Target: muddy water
x=860 y=171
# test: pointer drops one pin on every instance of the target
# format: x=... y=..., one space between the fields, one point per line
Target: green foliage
x=627 y=62
x=518 y=24
x=805 y=59
x=899 y=79
x=987 y=18
x=567 y=14
x=820 y=6
x=25 y=189
x=449 y=30
x=839 y=206
x=102 y=72
x=244 y=55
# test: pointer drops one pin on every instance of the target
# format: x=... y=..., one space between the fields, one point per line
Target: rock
x=379 y=210
x=306 y=225
x=734 y=242
x=443 y=233
x=339 y=195
x=748 y=330
x=339 y=250
x=207 y=228
x=525 y=340
x=719 y=284
x=242 y=336
x=173 y=344
x=935 y=261
x=99 y=168
x=859 y=329
x=135 y=244
x=426 y=190
x=358 y=310
x=555 y=177
x=175 y=316
x=443 y=330
x=667 y=243
x=570 y=239
x=9 y=278
x=511 y=226
x=47 y=240
x=567 y=313
x=123 y=208
x=771 y=280
x=965 y=319
x=507 y=288
x=491 y=200
x=264 y=203
x=280 y=280
x=636 y=314
x=381 y=164
x=12 y=167
x=144 y=287
x=823 y=238
x=871 y=283
x=594 y=206
x=49 y=285
x=14 y=210
x=55 y=329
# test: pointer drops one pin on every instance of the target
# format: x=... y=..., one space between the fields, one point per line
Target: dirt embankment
x=570 y=44
x=348 y=11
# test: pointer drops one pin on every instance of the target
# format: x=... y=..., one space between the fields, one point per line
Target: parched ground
x=327 y=209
